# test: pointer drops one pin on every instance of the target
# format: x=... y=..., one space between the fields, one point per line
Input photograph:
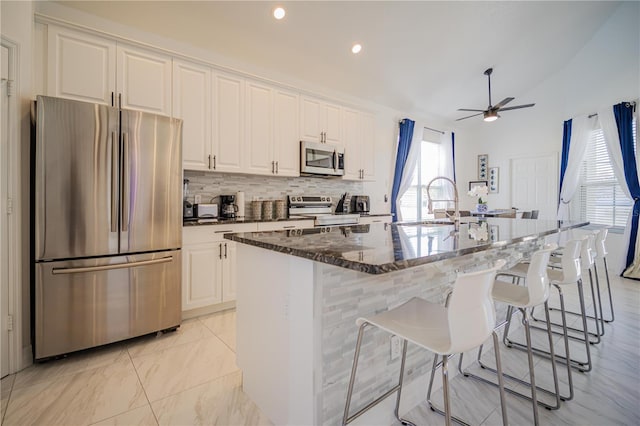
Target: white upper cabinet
x=368 y=148
x=272 y=133
x=144 y=80
x=228 y=122
x=93 y=69
x=359 y=145
x=192 y=103
x=286 y=140
x=320 y=121
x=80 y=66
x=259 y=128
x=352 y=144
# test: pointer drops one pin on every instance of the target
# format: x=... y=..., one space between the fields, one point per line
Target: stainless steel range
x=319 y=207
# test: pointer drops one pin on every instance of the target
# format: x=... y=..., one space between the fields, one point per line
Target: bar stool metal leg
x=606 y=271
x=346 y=419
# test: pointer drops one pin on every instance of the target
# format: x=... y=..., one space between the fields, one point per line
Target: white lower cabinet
x=209 y=265
x=201 y=271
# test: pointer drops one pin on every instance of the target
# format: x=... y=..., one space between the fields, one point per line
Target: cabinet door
x=368 y=146
x=201 y=275
x=144 y=80
x=352 y=144
x=229 y=271
x=331 y=117
x=259 y=129
x=310 y=124
x=286 y=143
x=228 y=122
x=80 y=66
x=192 y=103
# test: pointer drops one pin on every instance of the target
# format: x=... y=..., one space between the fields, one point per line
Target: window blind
x=601 y=199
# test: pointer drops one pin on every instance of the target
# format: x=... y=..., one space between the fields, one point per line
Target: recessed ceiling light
x=279 y=13
x=356 y=48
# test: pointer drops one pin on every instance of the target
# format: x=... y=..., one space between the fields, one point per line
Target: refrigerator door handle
x=125 y=183
x=58 y=271
x=114 y=183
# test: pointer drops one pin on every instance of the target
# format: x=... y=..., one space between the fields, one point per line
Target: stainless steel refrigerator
x=106 y=225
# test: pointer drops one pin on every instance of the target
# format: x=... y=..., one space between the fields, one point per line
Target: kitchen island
x=300 y=292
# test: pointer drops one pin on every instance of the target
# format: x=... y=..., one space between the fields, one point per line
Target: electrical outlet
x=395 y=347
x=198 y=199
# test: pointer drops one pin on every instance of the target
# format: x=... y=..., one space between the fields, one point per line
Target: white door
x=534 y=184
x=4 y=240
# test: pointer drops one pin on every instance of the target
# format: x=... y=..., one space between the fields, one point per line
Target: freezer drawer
x=85 y=303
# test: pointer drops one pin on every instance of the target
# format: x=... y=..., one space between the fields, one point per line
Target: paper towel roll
x=240 y=204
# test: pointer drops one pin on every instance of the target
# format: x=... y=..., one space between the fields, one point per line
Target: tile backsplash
x=211 y=185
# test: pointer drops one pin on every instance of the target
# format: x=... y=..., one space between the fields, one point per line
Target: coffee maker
x=228 y=207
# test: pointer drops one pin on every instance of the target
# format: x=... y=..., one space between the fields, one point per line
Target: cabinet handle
x=225 y=250
x=288 y=227
x=214 y=162
x=276 y=167
x=226 y=231
x=273 y=167
x=209 y=161
x=112 y=99
x=220 y=250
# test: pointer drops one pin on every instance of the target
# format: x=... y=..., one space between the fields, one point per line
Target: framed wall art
x=483 y=167
x=474 y=183
x=494 y=180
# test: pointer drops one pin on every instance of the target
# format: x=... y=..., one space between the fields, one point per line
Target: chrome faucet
x=456 y=213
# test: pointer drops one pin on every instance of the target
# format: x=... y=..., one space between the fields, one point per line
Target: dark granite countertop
x=219 y=221
x=380 y=248
x=195 y=222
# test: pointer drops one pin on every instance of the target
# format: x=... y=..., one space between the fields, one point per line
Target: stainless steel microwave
x=321 y=159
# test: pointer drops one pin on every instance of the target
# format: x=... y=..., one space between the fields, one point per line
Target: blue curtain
x=623 y=113
x=566 y=139
x=404 y=143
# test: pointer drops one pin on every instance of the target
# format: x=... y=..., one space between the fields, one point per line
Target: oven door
x=321 y=159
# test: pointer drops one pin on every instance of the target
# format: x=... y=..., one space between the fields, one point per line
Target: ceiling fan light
x=491 y=116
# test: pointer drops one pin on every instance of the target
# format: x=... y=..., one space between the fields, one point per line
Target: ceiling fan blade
x=472 y=110
x=474 y=115
x=503 y=102
x=516 y=107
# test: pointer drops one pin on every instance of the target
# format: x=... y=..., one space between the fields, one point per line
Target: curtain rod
x=434 y=130
x=425 y=127
x=627 y=104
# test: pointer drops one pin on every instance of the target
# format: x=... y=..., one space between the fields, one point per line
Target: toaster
x=205 y=210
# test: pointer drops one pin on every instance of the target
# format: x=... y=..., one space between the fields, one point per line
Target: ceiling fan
x=491 y=113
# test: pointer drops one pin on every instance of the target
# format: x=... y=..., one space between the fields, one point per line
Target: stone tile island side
x=300 y=292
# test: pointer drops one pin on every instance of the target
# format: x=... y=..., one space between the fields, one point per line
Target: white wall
x=606 y=71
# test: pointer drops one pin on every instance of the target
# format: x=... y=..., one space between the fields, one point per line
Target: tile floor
x=190 y=377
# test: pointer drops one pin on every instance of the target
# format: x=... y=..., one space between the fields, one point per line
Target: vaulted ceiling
x=426 y=57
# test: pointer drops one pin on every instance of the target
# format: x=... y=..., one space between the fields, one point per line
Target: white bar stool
x=601 y=251
x=465 y=324
x=587 y=260
x=535 y=293
x=570 y=273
